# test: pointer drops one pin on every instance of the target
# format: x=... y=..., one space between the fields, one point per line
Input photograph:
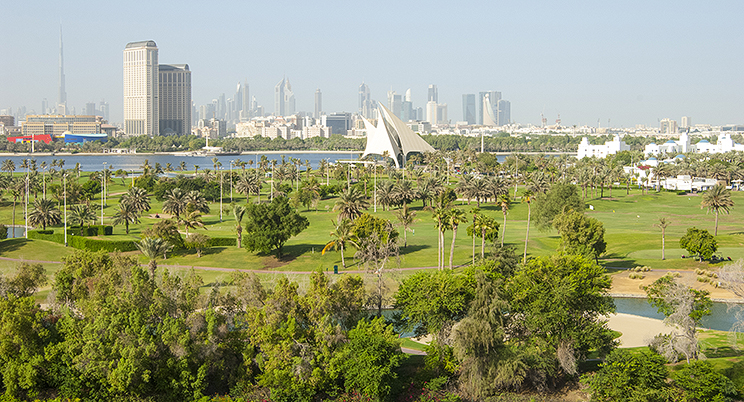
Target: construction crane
x=558 y=120
x=543 y=119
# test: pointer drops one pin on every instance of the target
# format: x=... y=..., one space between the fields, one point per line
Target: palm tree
x=439 y=210
x=44 y=213
x=17 y=188
x=718 y=198
x=385 y=193
x=238 y=212
x=182 y=166
x=192 y=220
x=350 y=204
x=342 y=235
x=174 y=202
x=8 y=166
x=126 y=214
x=152 y=248
x=663 y=223
x=406 y=217
x=404 y=193
x=527 y=197
x=196 y=201
x=455 y=217
x=81 y=214
x=137 y=199
x=504 y=201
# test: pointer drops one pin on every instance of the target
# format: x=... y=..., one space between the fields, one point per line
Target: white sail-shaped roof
x=488 y=118
x=393 y=136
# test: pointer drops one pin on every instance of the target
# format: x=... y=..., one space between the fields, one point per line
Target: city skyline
x=589 y=63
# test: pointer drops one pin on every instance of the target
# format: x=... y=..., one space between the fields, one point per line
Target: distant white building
x=601 y=151
x=724 y=144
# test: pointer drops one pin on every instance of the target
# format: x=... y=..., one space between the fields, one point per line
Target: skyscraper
x=246 y=112
x=433 y=94
x=468 y=108
x=318 y=103
x=395 y=103
x=493 y=97
x=61 y=93
x=141 y=88
x=175 y=99
x=365 y=101
x=503 y=114
x=284 y=99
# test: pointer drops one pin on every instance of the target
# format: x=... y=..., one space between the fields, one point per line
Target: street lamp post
x=103 y=186
x=218 y=170
x=64 y=177
x=25 y=206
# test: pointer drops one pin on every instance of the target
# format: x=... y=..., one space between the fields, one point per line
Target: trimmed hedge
x=222 y=242
x=85 y=243
x=47 y=235
x=93 y=230
x=82 y=242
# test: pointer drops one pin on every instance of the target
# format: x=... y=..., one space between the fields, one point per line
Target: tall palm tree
x=81 y=214
x=192 y=220
x=126 y=214
x=44 y=213
x=663 y=223
x=137 y=199
x=439 y=210
x=8 y=166
x=504 y=202
x=152 y=248
x=406 y=217
x=17 y=188
x=385 y=193
x=350 y=204
x=404 y=192
x=455 y=217
x=718 y=198
x=527 y=198
x=342 y=235
x=196 y=201
x=182 y=166
x=174 y=202
x=238 y=212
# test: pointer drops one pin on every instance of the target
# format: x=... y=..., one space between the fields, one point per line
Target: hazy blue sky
x=630 y=62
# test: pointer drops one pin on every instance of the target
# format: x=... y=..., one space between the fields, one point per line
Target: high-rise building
x=339 y=123
x=685 y=122
x=175 y=99
x=493 y=97
x=246 y=112
x=431 y=112
x=433 y=94
x=141 y=88
x=468 y=108
x=284 y=99
x=44 y=106
x=90 y=109
x=318 y=103
x=503 y=112
x=667 y=126
x=104 y=109
x=366 y=106
x=395 y=103
x=61 y=93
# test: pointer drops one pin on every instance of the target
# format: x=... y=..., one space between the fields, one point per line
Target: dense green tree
x=701 y=382
x=560 y=198
x=27 y=279
x=432 y=302
x=198 y=242
x=629 y=377
x=580 y=234
x=370 y=359
x=699 y=242
x=562 y=301
x=269 y=226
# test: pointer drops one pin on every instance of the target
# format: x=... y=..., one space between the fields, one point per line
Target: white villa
x=724 y=144
x=601 y=151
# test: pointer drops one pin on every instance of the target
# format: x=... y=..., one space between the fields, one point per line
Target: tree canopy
x=269 y=226
x=561 y=197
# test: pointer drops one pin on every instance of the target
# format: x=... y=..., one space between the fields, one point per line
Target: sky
x=619 y=63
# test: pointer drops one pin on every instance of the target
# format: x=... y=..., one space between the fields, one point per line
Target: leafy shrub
x=93 y=230
x=85 y=243
x=3 y=231
x=222 y=242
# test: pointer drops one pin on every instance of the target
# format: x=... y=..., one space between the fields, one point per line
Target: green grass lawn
x=628 y=219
